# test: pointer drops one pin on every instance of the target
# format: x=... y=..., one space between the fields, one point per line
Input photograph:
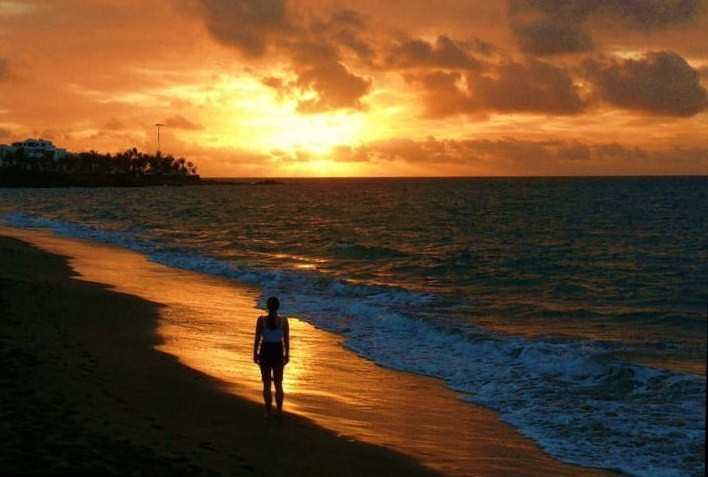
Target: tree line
x=129 y=167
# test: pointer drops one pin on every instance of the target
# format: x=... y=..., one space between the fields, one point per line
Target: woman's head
x=273 y=304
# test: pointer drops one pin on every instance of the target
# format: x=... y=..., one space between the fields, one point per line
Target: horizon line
x=564 y=176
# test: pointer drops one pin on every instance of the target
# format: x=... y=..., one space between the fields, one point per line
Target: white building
x=35 y=148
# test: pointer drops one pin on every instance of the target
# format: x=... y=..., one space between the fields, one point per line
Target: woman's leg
x=266 y=378
x=278 y=381
x=279 y=395
x=267 y=396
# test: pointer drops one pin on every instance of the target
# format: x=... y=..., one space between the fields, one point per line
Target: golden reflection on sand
x=208 y=323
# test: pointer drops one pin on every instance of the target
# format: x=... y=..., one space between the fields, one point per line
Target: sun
x=272 y=132
x=317 y=134
x=313 y=139
x=248 y=115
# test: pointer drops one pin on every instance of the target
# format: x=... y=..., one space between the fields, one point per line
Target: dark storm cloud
x=345 y=28
x=569 y=10
x=350 y=40
x=482 y=47
x=550 y=37
x=319 y=69
x=660 y=83
x=443 y=95
x=547 y=27
x=317 y=59
x=645 y=14
x=313 y=47
x=531 y=86
x=444 y=53
x=245 y=24
x=652 y=14
x=336 y=87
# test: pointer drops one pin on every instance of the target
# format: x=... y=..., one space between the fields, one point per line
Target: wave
x=572 y=398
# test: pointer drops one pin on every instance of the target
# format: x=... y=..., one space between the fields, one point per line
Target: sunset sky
x=258 y=88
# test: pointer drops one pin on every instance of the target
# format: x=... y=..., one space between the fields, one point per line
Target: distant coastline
x=38 y=163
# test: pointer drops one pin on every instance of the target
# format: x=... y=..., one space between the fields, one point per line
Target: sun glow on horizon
x=253 y=117
x=318 y=134
x=324 y=167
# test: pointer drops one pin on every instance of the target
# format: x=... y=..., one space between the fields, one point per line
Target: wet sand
x=351 y=397
x=84 y=392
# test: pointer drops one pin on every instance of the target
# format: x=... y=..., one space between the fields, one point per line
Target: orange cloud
x=510 y=156
x=4 y=69
x=248 y=25
x=551 y=37
x=444 y=53
x=180 y=122
x=659 y=83
x=515 y=87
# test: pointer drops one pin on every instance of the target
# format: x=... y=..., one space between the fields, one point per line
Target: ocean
x=574 y=307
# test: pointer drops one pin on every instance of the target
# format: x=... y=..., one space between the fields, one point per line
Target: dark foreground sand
x=85 y=392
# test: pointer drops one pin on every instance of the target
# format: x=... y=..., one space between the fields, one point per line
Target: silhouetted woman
x=271 y=351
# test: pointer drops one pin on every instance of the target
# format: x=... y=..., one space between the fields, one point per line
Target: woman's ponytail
x=273 y=304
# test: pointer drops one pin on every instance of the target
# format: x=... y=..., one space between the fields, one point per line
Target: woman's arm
x=286 y=340
x=257 y=338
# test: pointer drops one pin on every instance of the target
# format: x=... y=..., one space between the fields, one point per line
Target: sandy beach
x=84 y=392
x=97 y=383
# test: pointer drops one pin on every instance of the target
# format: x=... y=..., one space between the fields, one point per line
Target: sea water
x=575 y=307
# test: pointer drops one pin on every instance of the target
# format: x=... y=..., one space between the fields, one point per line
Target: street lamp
x=159 y=125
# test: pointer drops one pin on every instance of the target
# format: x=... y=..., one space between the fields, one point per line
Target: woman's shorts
x=271 y=362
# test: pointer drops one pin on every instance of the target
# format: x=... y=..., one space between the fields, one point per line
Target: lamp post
x=159 y=125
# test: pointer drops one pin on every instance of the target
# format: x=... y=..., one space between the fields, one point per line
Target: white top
x=272 y=335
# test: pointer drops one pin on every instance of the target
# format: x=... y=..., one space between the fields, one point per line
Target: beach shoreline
x=85 y=392
x=215 y=439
